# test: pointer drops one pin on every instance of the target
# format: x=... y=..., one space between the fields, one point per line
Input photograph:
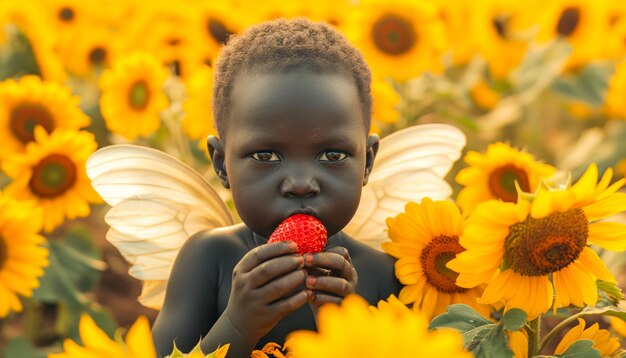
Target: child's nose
x=299 y=184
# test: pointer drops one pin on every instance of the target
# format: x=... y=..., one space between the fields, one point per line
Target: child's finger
x=272 y=268
x=289 y=304
x=332 y=261
x=319 y=299
x=282 y=286
x=263 y=253
x=329 y=284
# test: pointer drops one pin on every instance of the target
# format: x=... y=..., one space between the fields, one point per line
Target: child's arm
x=265 y=274
x=262 y=294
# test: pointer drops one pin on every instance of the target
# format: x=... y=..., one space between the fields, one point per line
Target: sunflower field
x=524 y=259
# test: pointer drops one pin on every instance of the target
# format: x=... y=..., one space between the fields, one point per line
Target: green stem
x=559 y=327
x=534 y=331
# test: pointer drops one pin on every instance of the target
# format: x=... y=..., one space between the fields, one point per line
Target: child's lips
x=306 y=211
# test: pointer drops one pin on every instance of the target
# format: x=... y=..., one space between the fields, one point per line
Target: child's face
x=296 y=142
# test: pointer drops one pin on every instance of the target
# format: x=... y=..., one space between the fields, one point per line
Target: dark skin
x=295 y=142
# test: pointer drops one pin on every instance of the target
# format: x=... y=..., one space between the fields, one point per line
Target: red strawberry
x=308 y=232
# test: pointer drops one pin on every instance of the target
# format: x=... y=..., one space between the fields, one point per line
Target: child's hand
x=341 y=281
x=263 y=288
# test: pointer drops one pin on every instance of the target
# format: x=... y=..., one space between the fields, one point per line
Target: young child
x=292 y=105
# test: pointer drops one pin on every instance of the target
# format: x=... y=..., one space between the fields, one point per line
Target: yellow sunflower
x=385 y=102
x=424 y=238
x=88 y=55
x=22 y=258
x=30 y=102
x=96 y=343
x=214 y=22
x=30 y=19
x=579 y=22
x=401 y=39
x=618 y=325
x=132 y=95
x=52 y=173
x=493 y=175
x=484 y=95
x=518 y=343
x=495 y=29
x=614 y=100
x=601 y=338
x=534 y=255
x=353 y=330
x=197 y=121
x=196 y=352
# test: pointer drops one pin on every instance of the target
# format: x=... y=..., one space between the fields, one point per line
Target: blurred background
x=545 y=76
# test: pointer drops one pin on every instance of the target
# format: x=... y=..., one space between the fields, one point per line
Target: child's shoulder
x=235 y=240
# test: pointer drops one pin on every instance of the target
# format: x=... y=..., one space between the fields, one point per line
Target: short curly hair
x=283 y=45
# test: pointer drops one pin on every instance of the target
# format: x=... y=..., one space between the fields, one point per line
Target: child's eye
x=266 y=156
x=332 y=156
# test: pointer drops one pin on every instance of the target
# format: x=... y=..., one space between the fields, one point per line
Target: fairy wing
x=157 y=202
x=410 y=165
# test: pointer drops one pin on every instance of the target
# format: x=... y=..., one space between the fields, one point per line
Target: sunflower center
x=434 y=258
x=500 y=24
x=218 y=31
x=97 y=55
x=568 y=22
x=53 y=176
x=139 y=95
x=502 y=182
x=66 y=14
x=393 y=34
x=4 y=252
x=25 y=117
x=537 y=247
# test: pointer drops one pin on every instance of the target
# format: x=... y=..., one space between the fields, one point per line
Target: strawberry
x=308 y=232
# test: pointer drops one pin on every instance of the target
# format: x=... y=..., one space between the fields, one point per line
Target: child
x=292 y=106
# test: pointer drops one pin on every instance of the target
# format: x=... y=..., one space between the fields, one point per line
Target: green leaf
x=613 y=292
x=581 y=349
x=481 y=337
x=588 y=85
x=513 y=319
x=607 y=311
x=74 y=268
x=21 y=347
x=459 y=316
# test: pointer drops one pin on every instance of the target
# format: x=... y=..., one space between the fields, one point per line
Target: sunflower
x=496 y=32
x=88 y=55
x=601 y=338
x=132 y=95
x=385 y=102
x=97 y=344
x=456 y=17
x=494 y=174
x=166 y=31
x=484 y=95
x=30 y=19
x=197 y=121
x=534 y=255
x=30 y=102
x=613 y=104
x=196 y=352
x=52 y=173
x=424 y=238
x=580 y=23
x=518 y=343
x=353 y=330
x=22 y=258
x=214 y=22
x=401 y=39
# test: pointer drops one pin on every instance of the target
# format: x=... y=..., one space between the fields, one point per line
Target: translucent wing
x=157 y=203
x=411 y=164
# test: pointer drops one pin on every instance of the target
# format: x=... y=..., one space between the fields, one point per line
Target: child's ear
x=216 y=151
x=370 y=155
